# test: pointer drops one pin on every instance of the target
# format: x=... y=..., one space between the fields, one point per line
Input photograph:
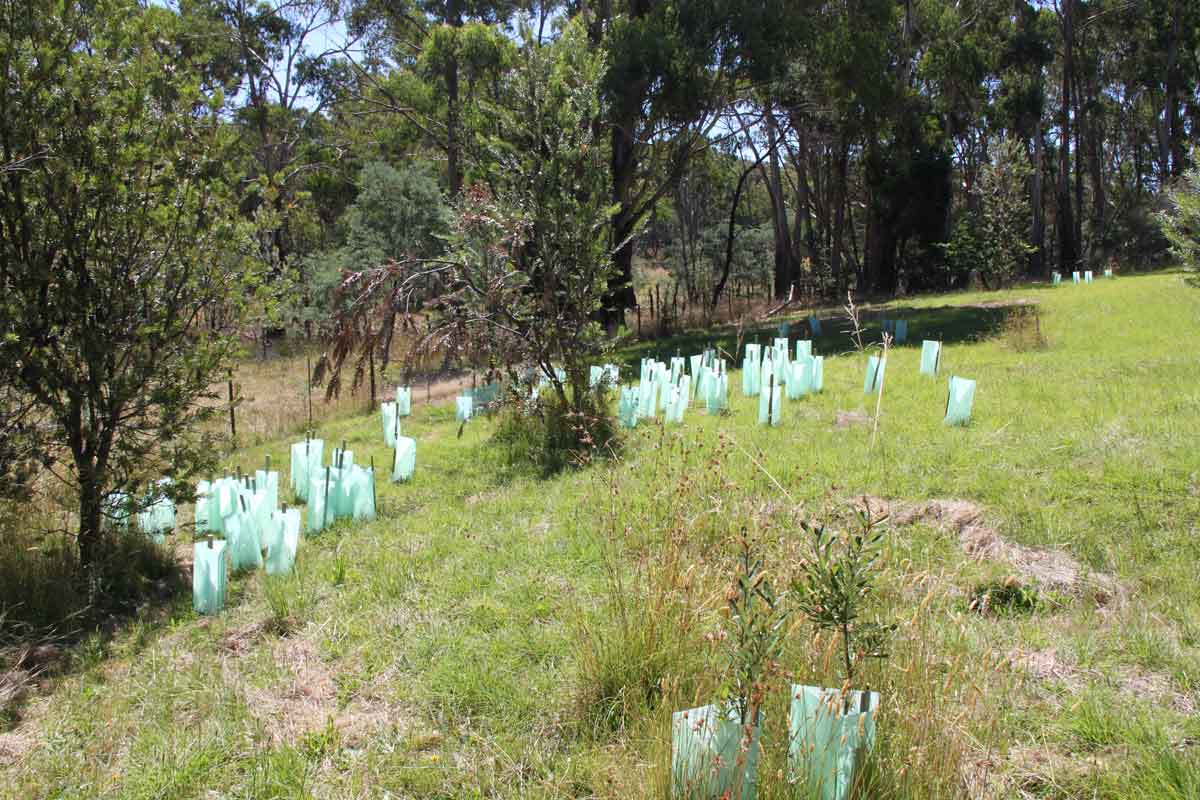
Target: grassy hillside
x=499 y=635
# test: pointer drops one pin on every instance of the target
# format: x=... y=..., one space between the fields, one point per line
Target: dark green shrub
x=551 y=435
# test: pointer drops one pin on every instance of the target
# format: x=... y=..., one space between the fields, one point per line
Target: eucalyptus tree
x=428 y=61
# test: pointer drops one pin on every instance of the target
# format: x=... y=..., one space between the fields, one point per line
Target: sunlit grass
x=494 y=634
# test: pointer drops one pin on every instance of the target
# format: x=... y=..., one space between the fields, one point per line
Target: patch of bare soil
x=307 y=701
x=1154 y=687
x=848 y=419
x=1050 y=569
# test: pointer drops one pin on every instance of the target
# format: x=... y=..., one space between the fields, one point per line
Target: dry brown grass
x=273 y=400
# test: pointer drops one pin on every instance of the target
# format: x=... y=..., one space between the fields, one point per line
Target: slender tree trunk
x=1037 y=235
x=785 y=257
x=838 y=200
x=1068 y=248
x=1171 y=116
x=733 y=209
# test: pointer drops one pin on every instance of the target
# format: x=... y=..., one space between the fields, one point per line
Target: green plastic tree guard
x=959 y=401
x=318 y=501
x=463 y=407
x=157 y=518
x=306 y=462
x=700 y=383
x=404 y=459
x=224 y=503
x=209 y=577
x=1087 y=276
x=663 y=387
x=769 y=411
x=647 y=368
x=360 y=491
x=1074 y=277
x=716 y=398
x=680 y=393
x=1056 y=278
x=203 y=505
x=800 y=381
x=931 y=357
x=803 y=348
x=284 y=542
x=678 y=365
x=818 y=379
x=713 y=755
x=117 y=511
x=750 y=373
x=901 y=331
x=267 y=481
x=1108 y=273
x=646 y=398
x=768 y=371
x=391 y=423
x=754 y=352
x=404 y=401
x=814 y=325
x=245 y=547
x=830 y=733
x=697 y=371
x=627 y=407
x=873 y=382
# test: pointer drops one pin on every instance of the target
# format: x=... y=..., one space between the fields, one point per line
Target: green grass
x=498 y=635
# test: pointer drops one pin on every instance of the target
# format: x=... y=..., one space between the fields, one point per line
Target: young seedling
x=755 y=633
x=835 y=585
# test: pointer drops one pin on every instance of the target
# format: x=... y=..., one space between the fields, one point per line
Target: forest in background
x=872 y=145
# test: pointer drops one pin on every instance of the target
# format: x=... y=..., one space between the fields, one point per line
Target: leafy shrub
x=551 y=434
x=1181 y=223
x=1004 y=598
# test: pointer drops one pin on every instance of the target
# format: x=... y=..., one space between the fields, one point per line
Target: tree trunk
x=91 y=529
x=838 y=200
x=1068 y=252
x=1037 y=234
x=1171 y=116
x=453 y=168
x=737 y=197
x=785 y=257
x=623 y=168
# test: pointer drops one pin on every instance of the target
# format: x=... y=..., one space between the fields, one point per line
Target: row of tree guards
x=258 y=532
x=770 y=373
x=1078 y=277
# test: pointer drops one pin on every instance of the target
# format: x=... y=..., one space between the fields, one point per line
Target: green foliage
x=1006 y=597
x=552 y=435
x=1181 y=222
x=120 y=277
x=992 y=240
x=398 y=214
x=834 y=585
x=754 y=634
